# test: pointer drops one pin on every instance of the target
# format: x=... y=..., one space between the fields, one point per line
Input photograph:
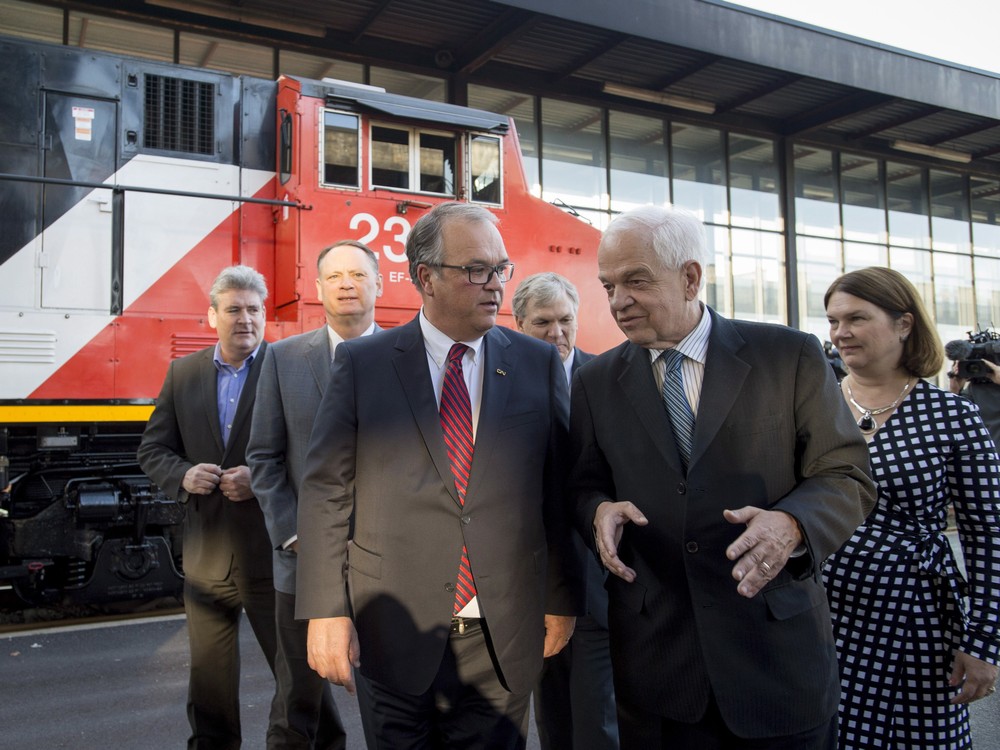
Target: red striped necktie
x=456 y=423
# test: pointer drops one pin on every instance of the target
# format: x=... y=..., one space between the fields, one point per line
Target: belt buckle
x=459 y=624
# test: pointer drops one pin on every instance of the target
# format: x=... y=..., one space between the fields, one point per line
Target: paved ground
x=123 y=685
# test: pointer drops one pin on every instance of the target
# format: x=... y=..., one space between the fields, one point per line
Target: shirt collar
x=438 y=344
x=221 y=364
x=336 y=338
x=695 y=344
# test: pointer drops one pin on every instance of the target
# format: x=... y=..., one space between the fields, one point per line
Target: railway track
x=16 y=616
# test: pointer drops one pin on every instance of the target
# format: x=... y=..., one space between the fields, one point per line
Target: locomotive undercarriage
x=79 y=522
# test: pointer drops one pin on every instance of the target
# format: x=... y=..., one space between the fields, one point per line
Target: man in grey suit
x=575 y=697
x=442 y=442
x=717 y=467
x=194 y=448
x=293 y=379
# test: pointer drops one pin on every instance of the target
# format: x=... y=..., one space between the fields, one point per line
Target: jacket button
x=691 y=547
x=682 y=488
x=450 y=588
x=466 y=519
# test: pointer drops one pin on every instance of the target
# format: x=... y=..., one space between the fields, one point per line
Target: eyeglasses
x=479 y=274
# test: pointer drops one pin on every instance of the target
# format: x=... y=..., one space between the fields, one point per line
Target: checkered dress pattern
x=900 y=605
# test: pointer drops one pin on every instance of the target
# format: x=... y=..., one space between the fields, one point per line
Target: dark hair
x=351 y=243
x=425 y=243
x=889 y=290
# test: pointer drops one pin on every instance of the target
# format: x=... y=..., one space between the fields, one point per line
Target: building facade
x=800 y=171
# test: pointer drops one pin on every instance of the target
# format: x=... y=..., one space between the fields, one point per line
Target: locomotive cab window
x=341 y=150
x=485 y=169
x=409 y=159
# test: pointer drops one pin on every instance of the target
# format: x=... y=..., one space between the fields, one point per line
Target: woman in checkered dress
x=916 y=643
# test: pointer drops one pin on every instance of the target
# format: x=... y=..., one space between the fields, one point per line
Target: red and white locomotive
x=126 y=185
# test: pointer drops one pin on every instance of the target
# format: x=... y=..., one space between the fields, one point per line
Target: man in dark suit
x=575 y=697
x=194 y=448
x=295 y=373
x=448 y=459
x=717 y=466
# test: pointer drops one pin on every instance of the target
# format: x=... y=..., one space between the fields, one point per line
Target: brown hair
x=923 y=353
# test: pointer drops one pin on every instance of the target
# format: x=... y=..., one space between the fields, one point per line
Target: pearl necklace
x=867 y=423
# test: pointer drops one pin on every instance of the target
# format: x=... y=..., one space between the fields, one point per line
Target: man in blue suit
x=575 y=698
x=442 y=442
x=293 y=378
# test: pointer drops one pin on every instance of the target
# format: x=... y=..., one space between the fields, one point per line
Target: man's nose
x=494 y=283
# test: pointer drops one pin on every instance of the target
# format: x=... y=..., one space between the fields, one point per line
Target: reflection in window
x=573 y=155
x=758 y=276
x=699 y=172
x=858 y=255
x=816 y=199
x=522 y=108
x=987 y=280
x=638 y=162
x=949 y=212
x=916 y=266
x=908 y=214
x=341 y=153
x=717 y=287
x=819 y=263
x=953 y=290
x=390 y=158
x=753 y=183
x=437 y=163
x=864 y=199
x=484 y=168
x=986 y=216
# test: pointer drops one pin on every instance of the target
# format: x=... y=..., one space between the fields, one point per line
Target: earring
x=902 y=339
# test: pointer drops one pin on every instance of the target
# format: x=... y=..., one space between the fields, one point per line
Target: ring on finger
x=765 y=568
x=992 y=690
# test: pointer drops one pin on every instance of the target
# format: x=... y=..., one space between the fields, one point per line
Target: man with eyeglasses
x=442 y=442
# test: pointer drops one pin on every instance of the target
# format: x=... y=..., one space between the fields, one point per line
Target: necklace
x=867 y=423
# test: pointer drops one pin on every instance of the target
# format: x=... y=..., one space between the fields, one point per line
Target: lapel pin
x=501 y=372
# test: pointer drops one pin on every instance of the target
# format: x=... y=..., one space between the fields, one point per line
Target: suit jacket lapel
x=498 y=365
x=725 y=373
x=637 y=381
x=414 y=377
x=318 y=357
x=209 y=396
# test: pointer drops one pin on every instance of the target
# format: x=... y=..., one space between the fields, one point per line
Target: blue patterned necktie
x=456 y=423
x=678 y=408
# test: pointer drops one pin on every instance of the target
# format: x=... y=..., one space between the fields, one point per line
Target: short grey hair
x=425 y=243
x=543 y=289
x=242 y=278
x=677 y=236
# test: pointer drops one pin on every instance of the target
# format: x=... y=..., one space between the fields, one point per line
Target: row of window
x=940 y=227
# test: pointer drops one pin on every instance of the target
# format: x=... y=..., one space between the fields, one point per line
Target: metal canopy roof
x=693 y=60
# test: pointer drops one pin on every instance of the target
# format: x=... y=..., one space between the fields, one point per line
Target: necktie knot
x=456 y=353
x=672 y=360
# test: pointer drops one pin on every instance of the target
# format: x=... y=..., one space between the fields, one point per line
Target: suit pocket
x=364 y=562
x=629 y=596
x=516 y=420
x=757 y=426
x=787 y=601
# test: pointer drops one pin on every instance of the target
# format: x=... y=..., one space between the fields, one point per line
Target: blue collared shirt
x=228 y=388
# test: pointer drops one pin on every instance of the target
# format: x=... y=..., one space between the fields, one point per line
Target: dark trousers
x=213 y=617
x=306 y=715
x=466 y=707
x=645 y=731
x=575 y=698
